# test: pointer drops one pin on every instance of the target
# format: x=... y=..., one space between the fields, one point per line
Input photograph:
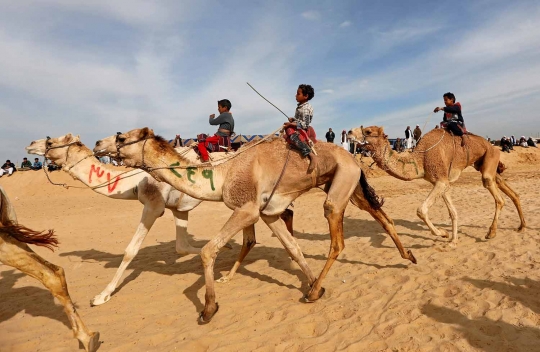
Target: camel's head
x=54 y=149
x=106 y=146
x=130 y=145
x=370 y=136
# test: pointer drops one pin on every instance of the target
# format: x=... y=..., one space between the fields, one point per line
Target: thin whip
x=266 y=99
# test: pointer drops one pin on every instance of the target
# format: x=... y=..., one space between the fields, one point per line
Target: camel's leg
x=148 y=218
x=422 y=212
x=52 y=277
x=181 y=222
x=248 y=243
x=386 y=222
x=453 y=215
x=503 y=186
x=287 y=216
x=279 y=228
x=241 y=218
x=491 y=185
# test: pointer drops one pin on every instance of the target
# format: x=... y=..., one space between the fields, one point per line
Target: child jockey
x=300 y=122
x=452 y=119
x=226 y=127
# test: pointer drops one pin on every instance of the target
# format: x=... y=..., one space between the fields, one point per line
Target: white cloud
x=327 y=91
x=311 y=15
x=345 y=24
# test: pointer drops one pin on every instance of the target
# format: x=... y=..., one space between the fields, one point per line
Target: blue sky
x=94 y=67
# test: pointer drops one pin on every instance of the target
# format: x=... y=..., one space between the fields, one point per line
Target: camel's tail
x=500 y=168
x=26 y=235
x=368 y=193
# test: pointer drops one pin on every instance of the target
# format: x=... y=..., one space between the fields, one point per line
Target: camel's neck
x=107 y=180
x=205 y=183
x=405 y=166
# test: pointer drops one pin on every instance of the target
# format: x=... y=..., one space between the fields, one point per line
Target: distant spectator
x=344 y=140
x=26 y=164
x=506 y=144
x=177 y=142
x=513 y=140
x=51 y=166
x=408 y=138
x=37 y=165
x=330 y=136
x=7 y=168
x=417 y=133
x=523 y=142
x=531 y=143
x=398 y=145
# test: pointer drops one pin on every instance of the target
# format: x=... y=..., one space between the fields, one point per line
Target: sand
x=481 y=296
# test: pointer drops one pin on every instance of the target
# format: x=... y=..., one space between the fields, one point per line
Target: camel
x=439 y=159
x=75 y=158
x=14 y=251
x=254 y=185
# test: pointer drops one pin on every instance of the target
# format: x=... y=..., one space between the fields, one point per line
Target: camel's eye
x=121 y=139
x=368 y=132
x=49 y=144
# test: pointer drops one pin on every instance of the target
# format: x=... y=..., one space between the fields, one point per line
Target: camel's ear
x=68 y=138
x=146 y=133
x=77 y=138
x=381 y=131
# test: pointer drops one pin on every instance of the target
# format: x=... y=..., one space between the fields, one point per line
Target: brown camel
x=14 y=251
x=253 y=185
x=439 y=159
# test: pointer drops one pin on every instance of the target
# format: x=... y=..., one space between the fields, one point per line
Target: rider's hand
x=291 y=119
x=212 y=116
x=436 y=109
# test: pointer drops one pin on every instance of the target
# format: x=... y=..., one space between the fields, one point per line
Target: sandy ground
x=481 y=296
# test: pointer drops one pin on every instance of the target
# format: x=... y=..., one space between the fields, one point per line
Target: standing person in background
x=408 y=138
x=177 y=142
x=344 y=141
x=417 y=133
x=513 y=140
x=330 y=136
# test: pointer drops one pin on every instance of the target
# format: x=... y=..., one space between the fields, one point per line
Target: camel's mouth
x=100 y=152
x=34 y=151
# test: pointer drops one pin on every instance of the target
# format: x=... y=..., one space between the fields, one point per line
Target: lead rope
x=278 y=180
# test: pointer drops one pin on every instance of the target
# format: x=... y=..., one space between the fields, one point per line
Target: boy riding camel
x=452 y=119
x=225 y=131
x=297 y=127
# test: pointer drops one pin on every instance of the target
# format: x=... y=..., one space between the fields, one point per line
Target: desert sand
x=481 y=296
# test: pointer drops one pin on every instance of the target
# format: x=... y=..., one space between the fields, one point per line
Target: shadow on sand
x=34 y=301
x=486 y=334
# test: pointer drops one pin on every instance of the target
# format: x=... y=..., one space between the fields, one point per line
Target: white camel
x=78 y=160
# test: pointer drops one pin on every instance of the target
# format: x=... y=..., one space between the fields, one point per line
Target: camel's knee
x=487 y=182
x=421 y=212
x=210 y=250
x=331 y=210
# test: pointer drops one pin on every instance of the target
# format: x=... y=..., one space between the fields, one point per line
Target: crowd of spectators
x=508 y=144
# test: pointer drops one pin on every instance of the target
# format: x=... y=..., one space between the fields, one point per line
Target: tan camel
x=75 y=158
x=248 y=184
x=14 y=251
x=439 y=159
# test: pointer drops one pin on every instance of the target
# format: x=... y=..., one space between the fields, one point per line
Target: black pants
x=301 y=146
x=453 y=127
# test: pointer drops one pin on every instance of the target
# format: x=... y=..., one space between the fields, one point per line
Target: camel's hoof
x=452 y=245
x=521 y=229
x=443 y=233
x=223 y=279
x=308 y=298
x=490 y=235
x=94 y=343
x=203 y=321
x=411 y=257
x=99 y=300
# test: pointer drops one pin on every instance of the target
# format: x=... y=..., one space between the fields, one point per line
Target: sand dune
x=481 y=296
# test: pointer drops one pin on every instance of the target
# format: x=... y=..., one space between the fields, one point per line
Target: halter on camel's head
x=140 y=135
